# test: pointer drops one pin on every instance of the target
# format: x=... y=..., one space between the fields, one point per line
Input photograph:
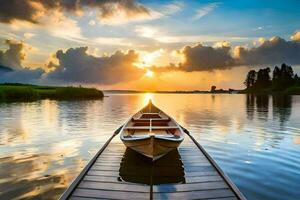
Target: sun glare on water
x=147 y=97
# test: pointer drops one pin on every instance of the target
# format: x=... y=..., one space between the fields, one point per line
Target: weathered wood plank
x=109 y=194
x=200 y=169
x=193 y=159
x=113 y=153
x=105 y=168
x=225 y=198
x=109 y=158
x=104 y=162
x=208 y=194
x=107 y=179
x=113 y=164
x=190 y=187
x=84 y=198
x=197 y=164
x=200 y=179
x=103 y=173
x=207 y=173
x=113 y=186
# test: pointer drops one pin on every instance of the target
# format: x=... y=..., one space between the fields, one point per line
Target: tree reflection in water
x=281 y=106
x=136 y=168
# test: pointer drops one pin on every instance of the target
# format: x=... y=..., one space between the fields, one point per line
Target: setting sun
x=149 y=74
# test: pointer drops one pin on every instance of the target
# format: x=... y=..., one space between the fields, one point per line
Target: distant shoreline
x=171 y=92
x=14 y=92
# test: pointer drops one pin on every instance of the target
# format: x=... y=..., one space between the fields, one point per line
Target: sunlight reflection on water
x=45 y=144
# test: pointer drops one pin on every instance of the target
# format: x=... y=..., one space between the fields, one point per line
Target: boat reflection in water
x=136 y=168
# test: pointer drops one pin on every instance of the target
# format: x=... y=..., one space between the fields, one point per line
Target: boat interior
x=151 y=121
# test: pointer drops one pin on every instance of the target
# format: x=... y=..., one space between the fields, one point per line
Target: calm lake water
x=255 y=140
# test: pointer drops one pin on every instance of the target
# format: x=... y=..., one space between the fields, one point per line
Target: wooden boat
x=151 y=132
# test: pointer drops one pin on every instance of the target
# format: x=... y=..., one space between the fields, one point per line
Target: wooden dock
x=119 y=173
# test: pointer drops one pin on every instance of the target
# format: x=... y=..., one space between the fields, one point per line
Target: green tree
x=283 y=77
x=251 y=78
x=263 y=78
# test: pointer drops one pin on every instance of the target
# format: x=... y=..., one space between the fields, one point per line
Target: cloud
x=74 y=65
x=92 y=22
x=201 y=12
x=24 y=75
x=221 y=55
x=108 y=10
x=273 y=51
x=172 y=8
x=28 y=35
x=117 y=12
x=196 y=38
x=70 y=31
x=13 y=56
x=77 y=66
x=51 y=26
x=206 y=58
x=18 y=10
x=147 y=31
x=296 y=36
x=161 y=35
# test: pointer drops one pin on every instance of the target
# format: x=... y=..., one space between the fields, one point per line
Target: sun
x=149 y=73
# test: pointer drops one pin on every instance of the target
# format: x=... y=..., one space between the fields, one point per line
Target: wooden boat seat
x=163 y=133
x=152 y=119
x=150 y=115
x=152 y=127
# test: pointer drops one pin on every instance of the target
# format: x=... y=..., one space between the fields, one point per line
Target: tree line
x=282 y=79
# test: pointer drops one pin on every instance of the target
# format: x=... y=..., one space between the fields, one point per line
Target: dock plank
x=190 y=187
x=113 y=186
x=104 y=194
x=207 y=194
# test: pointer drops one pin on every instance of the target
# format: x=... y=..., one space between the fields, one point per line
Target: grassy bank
x=20 y=92
x=294 y=90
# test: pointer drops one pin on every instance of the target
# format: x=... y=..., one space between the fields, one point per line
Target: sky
x=146 y=45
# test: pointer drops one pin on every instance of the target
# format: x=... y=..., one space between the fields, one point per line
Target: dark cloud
x=11 y=65
x=75 y=65
x=22 y=76
x=206 y=58
x=31 y=10
x=273 y=51
x=17 y=9
x=13 y=56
